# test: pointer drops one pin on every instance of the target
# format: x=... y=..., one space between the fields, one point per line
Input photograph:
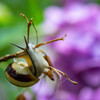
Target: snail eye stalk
x=18 y=46
x=27 y=47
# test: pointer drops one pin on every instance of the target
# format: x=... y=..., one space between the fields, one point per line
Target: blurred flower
x=27 y=96
x=48 y=90
x=44 y=89
x=79 y=54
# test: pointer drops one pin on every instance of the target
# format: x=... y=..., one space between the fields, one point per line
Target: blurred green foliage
x=98 y=2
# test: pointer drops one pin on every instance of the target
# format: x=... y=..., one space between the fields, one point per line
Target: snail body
x=24 y=74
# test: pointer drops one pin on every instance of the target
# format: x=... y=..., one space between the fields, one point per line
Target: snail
x=26 y=72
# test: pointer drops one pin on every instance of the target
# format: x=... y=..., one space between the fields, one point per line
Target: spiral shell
x=19 y=74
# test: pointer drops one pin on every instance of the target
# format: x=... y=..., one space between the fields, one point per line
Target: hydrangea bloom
x=79 y=54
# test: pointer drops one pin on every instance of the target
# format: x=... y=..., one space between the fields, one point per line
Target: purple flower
x=89 y=94
x=79 y=54
x=27 y=95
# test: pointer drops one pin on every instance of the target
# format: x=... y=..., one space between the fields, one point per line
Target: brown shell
x=18 y=79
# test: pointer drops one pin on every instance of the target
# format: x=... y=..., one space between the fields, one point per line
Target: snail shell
x=19 y=74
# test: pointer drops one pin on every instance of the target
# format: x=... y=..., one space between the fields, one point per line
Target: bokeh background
x=78 y=55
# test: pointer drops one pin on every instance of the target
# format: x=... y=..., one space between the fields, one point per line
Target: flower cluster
x=79 y=54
